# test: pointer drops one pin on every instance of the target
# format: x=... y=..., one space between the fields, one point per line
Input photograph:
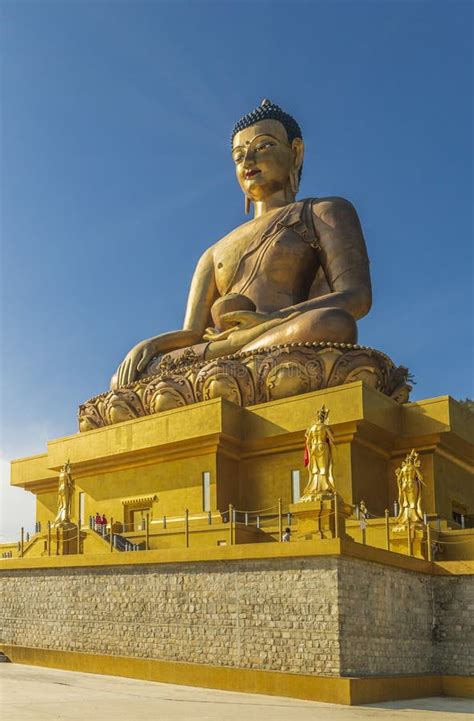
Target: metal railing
x=123 y=537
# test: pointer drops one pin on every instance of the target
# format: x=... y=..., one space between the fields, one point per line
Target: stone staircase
x=120 y=543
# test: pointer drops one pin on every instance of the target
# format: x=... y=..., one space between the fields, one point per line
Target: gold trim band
x=328 y=689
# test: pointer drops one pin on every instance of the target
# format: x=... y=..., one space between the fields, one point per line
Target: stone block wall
x=278 y=615
x=454 y=625
x=324 y=616
x=386 y=620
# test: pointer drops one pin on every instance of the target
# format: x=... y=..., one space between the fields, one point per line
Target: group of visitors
x=100 y=523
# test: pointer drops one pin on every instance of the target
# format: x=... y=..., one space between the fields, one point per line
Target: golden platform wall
x=157 y=462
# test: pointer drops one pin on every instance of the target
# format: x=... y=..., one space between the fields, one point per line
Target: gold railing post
x=111 y=537
x=49 y=538
x=387 y=529
x=57 y=540
x=231 y=523
x=428 y=541
x=22 y=541
x=410 y=545
x=336 y=516
x=79 y=524
x=280 y=521
x=147 y=532
x=186 y=528
x=364 y=534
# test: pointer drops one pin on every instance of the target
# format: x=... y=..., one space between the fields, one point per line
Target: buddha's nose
x=249 y=157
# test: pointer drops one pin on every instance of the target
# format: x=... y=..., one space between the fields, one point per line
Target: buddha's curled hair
x=269 y=111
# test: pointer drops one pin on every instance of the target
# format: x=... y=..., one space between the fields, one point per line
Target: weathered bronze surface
x=294 y=276
x=297 y=272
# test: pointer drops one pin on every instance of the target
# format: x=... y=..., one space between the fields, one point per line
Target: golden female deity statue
x=65 y=489
x=297 y=272
x=319 y=445
x=410 y=482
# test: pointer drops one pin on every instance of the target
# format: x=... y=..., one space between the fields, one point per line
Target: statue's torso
x=270 y=260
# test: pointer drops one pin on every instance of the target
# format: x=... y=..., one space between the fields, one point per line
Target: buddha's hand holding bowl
x=234 y=314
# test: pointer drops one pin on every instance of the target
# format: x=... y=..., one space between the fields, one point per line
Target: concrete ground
x=30 y=693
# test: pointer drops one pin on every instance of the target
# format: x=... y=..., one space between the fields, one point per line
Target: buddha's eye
x=263 y=146
x=238 y=159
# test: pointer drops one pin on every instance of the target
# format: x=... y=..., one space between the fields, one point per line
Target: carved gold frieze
x=139 y=500
x=246 y=378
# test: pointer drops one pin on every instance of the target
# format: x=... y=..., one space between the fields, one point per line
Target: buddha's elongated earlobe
x=294 y=181
x=247 y=205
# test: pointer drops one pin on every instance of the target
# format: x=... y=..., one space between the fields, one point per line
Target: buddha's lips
x=251 y=173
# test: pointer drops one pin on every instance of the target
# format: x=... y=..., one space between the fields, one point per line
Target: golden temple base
x=328 y=689
x=155 y=467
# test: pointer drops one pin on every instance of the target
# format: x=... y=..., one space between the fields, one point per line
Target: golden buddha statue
x=273 y=305
x=297 y=272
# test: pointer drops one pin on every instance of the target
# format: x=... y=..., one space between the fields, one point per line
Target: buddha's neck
x=278 y=200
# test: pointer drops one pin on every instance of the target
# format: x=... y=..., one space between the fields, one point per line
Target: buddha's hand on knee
x=136 y=361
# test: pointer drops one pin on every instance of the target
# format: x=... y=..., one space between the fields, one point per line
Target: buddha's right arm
x=202 y=294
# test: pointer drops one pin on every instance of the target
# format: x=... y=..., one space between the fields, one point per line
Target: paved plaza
x=29 y=693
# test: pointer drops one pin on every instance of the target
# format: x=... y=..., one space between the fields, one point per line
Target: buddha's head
x=268 y=150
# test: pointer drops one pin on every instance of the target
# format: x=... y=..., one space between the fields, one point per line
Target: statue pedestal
x=166 y=463
x=246 y=378
x=399 y=540
x=317 y=519
x=65 y=538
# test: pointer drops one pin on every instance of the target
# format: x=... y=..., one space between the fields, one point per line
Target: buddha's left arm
x=344 y=260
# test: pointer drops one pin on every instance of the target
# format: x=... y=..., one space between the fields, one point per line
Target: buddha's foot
x=247 y=378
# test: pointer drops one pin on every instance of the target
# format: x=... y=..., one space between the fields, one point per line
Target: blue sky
x=116 y=175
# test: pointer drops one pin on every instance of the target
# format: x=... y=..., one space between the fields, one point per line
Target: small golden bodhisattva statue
x=319 y=445
x=65 y=489
x=410 y=482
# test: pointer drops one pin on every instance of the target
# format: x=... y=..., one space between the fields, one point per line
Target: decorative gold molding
x=139 y=500
x=247 y=378
x=327 y=689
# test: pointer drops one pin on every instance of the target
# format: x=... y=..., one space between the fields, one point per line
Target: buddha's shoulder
x=334 y=209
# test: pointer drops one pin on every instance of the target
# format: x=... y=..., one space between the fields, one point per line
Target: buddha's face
x=264 y=159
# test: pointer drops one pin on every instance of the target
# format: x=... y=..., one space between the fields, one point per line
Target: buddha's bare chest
x=227 y=256
x=278 y=258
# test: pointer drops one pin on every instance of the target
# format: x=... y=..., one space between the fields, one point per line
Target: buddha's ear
x=297 y=147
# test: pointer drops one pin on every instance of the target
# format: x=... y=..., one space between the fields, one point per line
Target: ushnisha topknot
x=269 y=111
